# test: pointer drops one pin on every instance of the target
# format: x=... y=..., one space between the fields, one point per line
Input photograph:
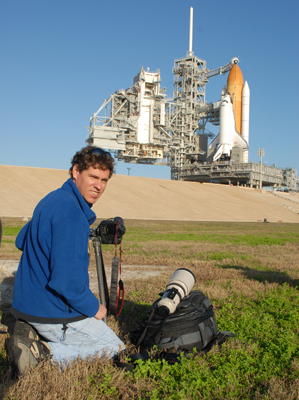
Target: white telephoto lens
x=179 y=286
x=183 y=277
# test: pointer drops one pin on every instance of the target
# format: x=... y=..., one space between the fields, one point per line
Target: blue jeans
x=89 y=337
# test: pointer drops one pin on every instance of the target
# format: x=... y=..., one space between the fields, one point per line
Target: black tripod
x=102 y=281
x=109 y=232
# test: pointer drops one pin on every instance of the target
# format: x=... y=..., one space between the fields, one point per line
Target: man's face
x=91 y=182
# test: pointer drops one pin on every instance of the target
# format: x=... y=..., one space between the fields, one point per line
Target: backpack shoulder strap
x=146 y=327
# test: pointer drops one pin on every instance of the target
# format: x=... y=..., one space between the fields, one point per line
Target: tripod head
x=110 y=231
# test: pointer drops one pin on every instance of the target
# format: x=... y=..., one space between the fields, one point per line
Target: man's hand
x=101 y=312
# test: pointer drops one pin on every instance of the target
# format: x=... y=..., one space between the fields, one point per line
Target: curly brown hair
x=90 y=157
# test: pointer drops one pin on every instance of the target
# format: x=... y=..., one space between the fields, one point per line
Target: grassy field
x=250 y=272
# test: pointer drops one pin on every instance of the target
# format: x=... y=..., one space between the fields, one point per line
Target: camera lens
x=163 y=311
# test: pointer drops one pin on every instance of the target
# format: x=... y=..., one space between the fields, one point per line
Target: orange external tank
x=234 y=87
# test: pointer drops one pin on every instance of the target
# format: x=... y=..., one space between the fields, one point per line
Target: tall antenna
x=190 y=52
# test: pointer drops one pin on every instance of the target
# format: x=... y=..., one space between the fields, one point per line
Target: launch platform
x=243 y=174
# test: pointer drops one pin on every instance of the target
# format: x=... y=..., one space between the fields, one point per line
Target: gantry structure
x=142 y=125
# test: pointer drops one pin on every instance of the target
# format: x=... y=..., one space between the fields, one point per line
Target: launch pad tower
x=142 y=125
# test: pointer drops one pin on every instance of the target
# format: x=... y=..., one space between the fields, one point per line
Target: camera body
x=109 y=230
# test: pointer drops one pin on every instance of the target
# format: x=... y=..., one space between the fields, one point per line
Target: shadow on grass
x=6 y=295
x=264 y=276
x=132 y=314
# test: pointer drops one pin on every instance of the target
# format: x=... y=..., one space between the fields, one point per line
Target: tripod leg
x=101 y=273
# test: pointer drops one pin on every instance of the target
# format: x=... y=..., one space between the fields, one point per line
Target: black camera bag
x=192 y=325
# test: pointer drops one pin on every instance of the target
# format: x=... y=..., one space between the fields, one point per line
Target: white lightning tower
x=190 y=52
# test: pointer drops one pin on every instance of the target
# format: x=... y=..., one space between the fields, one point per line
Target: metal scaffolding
x=246 y=174
x=142 y=125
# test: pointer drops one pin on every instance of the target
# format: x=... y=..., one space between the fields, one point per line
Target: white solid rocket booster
x=245 y=111
x=245 y=117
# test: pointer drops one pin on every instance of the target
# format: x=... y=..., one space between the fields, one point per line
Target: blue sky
x=61 y=59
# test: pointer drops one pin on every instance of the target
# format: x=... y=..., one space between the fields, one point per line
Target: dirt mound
x=148 y=198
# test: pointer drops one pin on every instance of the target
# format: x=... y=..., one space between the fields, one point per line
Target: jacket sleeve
x=20 y=239
x=69 y=266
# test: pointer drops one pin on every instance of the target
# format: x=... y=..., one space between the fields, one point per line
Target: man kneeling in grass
x=58 y=315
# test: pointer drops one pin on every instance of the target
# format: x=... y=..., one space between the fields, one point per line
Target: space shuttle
x=232 y=142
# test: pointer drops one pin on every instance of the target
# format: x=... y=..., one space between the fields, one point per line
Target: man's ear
x=75 y=172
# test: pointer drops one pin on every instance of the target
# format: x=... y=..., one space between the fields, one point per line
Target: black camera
x=110 y=230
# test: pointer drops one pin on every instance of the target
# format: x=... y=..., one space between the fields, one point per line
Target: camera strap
x=116 y=300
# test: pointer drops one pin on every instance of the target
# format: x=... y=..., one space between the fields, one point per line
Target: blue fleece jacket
x=52 y=282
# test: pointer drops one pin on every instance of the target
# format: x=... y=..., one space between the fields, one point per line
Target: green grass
x=11 y=230
x=266 y=345
x=11 y=241
x=220 y=256
x=247 y=240
x=251 y=274
x=270 y=324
